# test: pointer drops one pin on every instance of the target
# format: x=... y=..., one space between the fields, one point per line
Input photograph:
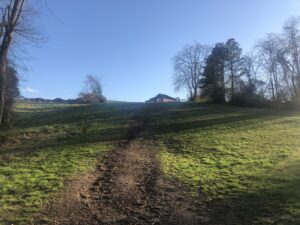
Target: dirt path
x=126 y=188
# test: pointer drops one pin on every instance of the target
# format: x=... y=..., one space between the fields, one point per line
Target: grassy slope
x=245 y=163
x=50 y=143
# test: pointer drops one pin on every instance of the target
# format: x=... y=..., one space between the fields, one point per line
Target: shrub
x=254 y=100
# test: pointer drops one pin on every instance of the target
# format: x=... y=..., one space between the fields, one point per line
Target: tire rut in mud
x=127 y=188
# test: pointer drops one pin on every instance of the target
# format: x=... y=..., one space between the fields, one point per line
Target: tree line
x=92 y=93
x=267 y=75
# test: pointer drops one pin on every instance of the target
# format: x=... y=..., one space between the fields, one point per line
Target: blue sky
x=130 y=43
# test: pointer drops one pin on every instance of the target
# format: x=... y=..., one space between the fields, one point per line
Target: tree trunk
x=272 y=90
x=14 y=11
x=3 y=90
x=195 y=93
x=2 y=103
x=232 y=85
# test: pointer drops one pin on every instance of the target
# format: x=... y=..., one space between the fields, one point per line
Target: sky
x=130 y=43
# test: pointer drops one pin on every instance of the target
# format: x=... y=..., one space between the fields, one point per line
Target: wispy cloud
x=30 y=90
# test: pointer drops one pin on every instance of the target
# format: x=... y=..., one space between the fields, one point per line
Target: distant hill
x=56 y=100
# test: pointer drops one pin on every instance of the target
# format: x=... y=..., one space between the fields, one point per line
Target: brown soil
x=126 y=188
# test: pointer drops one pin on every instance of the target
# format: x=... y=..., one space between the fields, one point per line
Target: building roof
x=162 y=96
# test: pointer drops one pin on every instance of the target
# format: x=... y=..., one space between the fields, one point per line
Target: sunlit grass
x=242 y=162
x=26 y=181
x=48 y=144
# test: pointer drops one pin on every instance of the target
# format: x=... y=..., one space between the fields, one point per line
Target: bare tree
x=189 y=67
x=93 y=91
x=290 y=56
x=250 y=72
x=11 y=14
x=280 y=57
x=16 y=31
x=269 y=49
x=289 y=74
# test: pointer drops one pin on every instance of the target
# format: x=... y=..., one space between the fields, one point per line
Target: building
x=162 y=98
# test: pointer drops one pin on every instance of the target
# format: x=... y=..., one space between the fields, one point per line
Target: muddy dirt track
x=126 y=188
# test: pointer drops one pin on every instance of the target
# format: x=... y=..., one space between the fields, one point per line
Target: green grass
x=243 y=164
x=51 y=143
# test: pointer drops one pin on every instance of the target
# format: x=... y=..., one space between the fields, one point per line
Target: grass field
x=48 y=144
x=243 y=165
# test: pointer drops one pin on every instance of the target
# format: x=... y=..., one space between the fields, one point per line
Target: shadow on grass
x=67 y=126
x=112 y=135
x=45 y=147
x=102 y=124
x=73 y=114
x=182 y=119
x=278 y=202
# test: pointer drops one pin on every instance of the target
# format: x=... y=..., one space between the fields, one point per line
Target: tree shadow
x=67 y=126
x=276 y=203
x=73 y=114
x=184 y=118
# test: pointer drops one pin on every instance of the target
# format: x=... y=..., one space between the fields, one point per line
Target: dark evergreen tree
x=233 y=66
x=213 y=81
